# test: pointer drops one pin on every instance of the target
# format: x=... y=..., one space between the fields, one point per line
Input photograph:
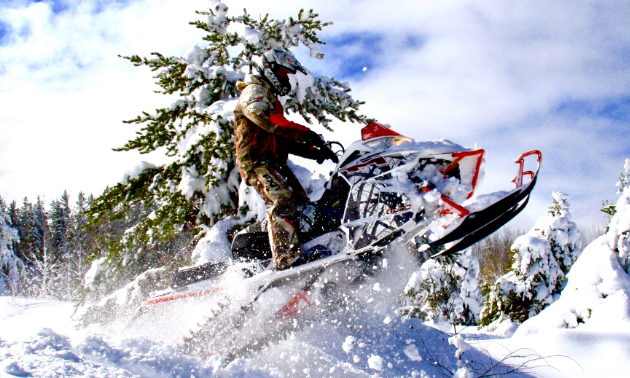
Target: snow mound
x=48 y=354
x=598 y=290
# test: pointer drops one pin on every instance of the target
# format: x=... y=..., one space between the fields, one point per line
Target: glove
x=326 y=153
x=312 y=138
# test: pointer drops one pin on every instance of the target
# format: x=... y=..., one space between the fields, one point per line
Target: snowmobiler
x=264 y=139
x=385 y=188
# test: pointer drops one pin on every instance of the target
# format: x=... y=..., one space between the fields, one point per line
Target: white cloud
x=64 y=91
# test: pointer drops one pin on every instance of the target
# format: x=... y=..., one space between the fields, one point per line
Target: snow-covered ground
x=39 y=338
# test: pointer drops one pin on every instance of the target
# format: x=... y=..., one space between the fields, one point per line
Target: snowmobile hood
x=250 y=79
x=361 y=150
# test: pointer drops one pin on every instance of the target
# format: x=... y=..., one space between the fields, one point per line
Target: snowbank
x=215 y=246
x=362 y=341
x=598 y=288
x=597 y=291
x=37 y=339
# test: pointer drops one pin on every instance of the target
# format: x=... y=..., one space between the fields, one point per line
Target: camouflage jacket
x=262 y=132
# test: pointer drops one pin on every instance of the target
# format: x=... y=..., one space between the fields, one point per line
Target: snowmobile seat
x=187 y=276
x=251 y=246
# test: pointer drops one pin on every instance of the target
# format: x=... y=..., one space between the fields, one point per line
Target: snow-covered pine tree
x=11 y=267
x=25 y=228
x=4 y=209
x=79 y=238
x=618 y=235
x=624 y=177
x=445 y=289
x=14 y=214
x=41 y=228
x=59 y=222
x=200 y=185
x=541 y=260
x=39 y=264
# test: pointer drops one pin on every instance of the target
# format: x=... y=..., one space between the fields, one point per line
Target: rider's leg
x=283 y=194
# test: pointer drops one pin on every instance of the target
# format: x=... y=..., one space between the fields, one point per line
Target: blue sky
x=349 y=53
x=59 y=6
x=551 y=76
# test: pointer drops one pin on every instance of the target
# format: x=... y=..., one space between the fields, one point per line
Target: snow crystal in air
x=412 y=353
x=348 y=344
x=375 y=362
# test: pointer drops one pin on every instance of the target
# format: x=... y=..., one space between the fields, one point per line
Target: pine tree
x=445 y=289
x=14 y=214
x=624 y=177
x=40 y=267
x=163 y=205
x=11 y=267
x=25 y=229
x=41 y=228
x=79 y=238
x=59 y=221
x=541 y=260
x=618 y=234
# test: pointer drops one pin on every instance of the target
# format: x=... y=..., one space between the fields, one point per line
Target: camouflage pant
x=283 y=193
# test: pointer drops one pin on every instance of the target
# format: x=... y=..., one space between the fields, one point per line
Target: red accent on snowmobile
x=450 y=206
x=518 y=179
x=293 y=308
x=376 y=130
x=459 y=156
x=171 y=297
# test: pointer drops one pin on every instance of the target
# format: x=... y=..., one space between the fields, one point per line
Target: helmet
x=275 y=67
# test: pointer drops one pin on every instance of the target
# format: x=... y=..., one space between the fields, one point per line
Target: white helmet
x=275 y=69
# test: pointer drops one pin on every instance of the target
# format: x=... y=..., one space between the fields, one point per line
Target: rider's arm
x=260 y=109
x=301 y=149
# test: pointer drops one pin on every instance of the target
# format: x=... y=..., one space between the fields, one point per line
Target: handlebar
x=339 y=152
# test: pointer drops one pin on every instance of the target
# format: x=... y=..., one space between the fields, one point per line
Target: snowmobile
x=386 y=188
